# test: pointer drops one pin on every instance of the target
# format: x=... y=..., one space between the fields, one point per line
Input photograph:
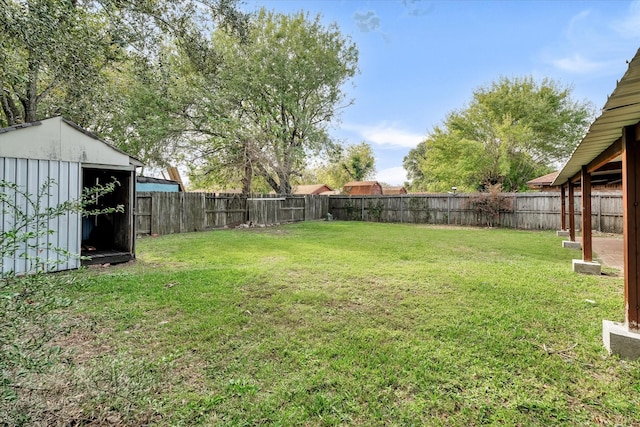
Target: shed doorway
x=107 y=238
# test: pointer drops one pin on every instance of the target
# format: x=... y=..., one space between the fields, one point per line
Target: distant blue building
x=145 y=183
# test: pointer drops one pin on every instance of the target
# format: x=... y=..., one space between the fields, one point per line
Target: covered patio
x=610 y=152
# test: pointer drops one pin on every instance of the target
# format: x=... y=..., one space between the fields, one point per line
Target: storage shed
x=57 y=149
x=363 y=188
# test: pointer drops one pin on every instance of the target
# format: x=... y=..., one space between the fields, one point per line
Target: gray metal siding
x=30 y=175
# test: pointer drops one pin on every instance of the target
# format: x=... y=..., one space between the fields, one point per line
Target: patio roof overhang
x=621 y=109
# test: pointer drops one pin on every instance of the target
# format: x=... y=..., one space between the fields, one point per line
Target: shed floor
x=106 y=257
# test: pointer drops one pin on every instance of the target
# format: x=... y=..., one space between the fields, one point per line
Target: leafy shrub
x=375 y=210
x=488 y=204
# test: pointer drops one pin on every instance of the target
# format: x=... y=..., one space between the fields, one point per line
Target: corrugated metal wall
x=30 y=175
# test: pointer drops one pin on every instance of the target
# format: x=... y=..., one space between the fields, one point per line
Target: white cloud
x=392 y=176
x=630 y=25
x=386 y=134
x=578 y=64
x=596 y=41
x=367 y=21
x=576 y=22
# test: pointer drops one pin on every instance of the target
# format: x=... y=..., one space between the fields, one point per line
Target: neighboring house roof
x=151 y=180
x=394 y=190
x=543 y=180
x=57 y=138
x=621 y=109
x=312 y=189
x=361 y=183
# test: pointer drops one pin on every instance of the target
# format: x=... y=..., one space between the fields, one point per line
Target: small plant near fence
x=375 y=210
x=351 y=210
x=30 y=304
x=488 y=205
x=418 y=205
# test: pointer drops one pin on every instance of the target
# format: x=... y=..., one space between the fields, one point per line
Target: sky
x=420 y=60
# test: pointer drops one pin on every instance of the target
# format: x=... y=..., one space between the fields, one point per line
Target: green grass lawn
x=350 y=323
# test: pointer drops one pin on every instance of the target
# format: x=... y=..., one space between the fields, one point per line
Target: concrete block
x=618 y=339
x=586 y=267
x=571 y=245
x=562 y=233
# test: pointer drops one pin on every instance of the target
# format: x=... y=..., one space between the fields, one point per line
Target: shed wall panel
x=32 y=197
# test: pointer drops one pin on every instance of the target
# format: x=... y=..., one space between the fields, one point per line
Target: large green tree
x=100 y=63
x=277 y=91
x=49 y=52
x=512 y=131
x=353 y=163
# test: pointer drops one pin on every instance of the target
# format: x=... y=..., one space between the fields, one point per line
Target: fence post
x=182 y=212
x=155 y=216
x=448 y=209
x=203 y=202
x=599 y=227
x=304 y=212
x=515 y=211
x=362 y=208
x=401 y=209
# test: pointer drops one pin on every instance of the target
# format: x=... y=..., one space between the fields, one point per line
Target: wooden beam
x=576 y=178
x=613 y=151
x=631 y=227
x=563 y=208
x=572 y=212
x=174 y=175
x=608 y=167
x=587 y=247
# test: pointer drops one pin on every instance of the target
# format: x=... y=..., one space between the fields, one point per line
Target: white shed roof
x=621 y=109
x=60 y=139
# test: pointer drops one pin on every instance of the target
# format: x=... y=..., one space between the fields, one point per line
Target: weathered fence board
x=529 y=211
x=168 y=213
x=159 y=213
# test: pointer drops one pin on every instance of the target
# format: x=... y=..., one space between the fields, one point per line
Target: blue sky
x=420 y=60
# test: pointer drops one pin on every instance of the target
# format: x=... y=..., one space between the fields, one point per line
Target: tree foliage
x=512 y=131
x=49 y=52
x=278 y=91
x=353 y=163
x=172 y=80
x=102 y=63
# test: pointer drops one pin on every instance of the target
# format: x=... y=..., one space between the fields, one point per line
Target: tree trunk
x=30 y=102
x=9 y=108
x=285 y=184
x=248 y=170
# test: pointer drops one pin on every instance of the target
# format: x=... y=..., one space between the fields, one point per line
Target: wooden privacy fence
x=529 y=211
x=169 y=213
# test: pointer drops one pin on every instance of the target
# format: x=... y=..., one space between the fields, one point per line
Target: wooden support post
x=563 y=209
x=631 y=227
x=572 y=219
x=587 y=254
